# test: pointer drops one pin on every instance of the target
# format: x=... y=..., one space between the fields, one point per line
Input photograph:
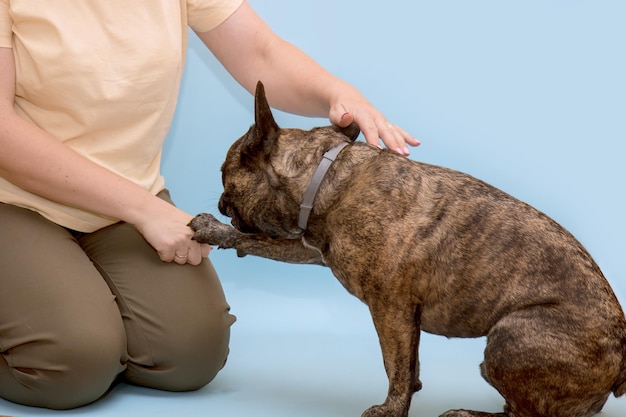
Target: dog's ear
x=263 y=134
x=265 y=127
x=351 y=131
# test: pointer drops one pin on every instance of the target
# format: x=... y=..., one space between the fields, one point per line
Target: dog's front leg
x=210 y=230
x=398 y=328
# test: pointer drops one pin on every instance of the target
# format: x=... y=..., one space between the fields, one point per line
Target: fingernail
x=403 y=151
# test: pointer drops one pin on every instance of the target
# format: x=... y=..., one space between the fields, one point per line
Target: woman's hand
x=165 y=228
x=373 y=124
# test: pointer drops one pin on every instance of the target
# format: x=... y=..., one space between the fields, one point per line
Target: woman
x=100 y=277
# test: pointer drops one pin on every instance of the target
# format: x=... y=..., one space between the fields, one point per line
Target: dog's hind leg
x=546 y=364
x=398 y=331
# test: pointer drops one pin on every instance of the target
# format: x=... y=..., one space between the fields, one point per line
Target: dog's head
x=267 y=170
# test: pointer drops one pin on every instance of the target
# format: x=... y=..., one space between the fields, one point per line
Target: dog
x=430 y=249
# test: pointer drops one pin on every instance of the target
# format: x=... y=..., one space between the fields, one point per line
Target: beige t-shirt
x=103 y=77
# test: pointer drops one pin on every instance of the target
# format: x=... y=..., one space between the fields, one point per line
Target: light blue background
x=527 y=95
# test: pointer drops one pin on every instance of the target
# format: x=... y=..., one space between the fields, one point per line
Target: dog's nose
x=223 y=206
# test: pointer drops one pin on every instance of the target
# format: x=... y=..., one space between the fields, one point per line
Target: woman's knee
x=187 y=357
x=65 y=368
x=63 y=340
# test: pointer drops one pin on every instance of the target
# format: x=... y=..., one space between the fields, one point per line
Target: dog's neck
x=316 y=181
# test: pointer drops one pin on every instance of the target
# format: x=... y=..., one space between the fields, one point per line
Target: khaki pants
x=79 y=310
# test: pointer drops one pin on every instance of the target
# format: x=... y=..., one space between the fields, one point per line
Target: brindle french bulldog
x=428 y=248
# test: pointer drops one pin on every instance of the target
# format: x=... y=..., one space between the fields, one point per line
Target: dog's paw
x=210 y=230
x=202 y=221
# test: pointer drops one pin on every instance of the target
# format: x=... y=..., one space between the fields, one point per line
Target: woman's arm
x=294 y=82
x=42 y=165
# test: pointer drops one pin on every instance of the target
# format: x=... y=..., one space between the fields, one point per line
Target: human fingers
x=192 y=254
x=396 y=138
x=206 y=249
x=340 y=116
x=181 y=256
x=197 y=252
x=171 y=247
x=174 y=246
x=375 y=127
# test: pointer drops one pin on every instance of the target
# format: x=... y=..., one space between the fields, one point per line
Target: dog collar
x=316 y=181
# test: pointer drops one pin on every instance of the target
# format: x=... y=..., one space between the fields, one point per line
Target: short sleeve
x=204 y=15
x=6 y=25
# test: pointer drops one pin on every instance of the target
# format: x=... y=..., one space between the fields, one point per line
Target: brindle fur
x=428 y=248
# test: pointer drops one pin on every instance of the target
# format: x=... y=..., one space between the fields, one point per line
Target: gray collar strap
x=316 y=180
